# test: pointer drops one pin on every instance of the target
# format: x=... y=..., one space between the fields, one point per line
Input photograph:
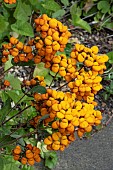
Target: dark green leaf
x=39 y=89
x=77 y=21
x=104 y=6
x=65 y=2
x=110 y=55
x=20 y=12
x=51 y=5
x=22 y=28
x=3 y=24
x=3 y=96
x=10 y=5
x=33 y=2
x=109 y=25
x=1 y=163
x=5 y=109
x=50 y=159
x=59 y=13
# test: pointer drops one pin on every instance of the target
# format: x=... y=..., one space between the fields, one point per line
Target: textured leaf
x=10 y=5
x=65 y=2
x=3 y=24
x=20 y=12
x=50 y=159
x=23 y=28
x=110 y=55
x=48 y=79
x=1 y=163
x=74 y=10
x=33 y=2
x=51 y=5
x=14 y=81
x=8 y=64
x=104 y=6
x=5 y=109
x=40 y=70
x=59 y=13
x=39 y=89
x=77 y=21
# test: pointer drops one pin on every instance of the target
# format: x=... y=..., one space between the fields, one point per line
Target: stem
x=15 y=115
x=2 y=74
x=26 y=135
x=62 y=86
x=109 y=120
x=12 y=132
x=15 y=104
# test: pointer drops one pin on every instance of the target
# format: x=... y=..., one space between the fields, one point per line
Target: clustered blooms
x=10 y=1
x=64 y=112
x=20 y=52
x=30 y=155
x=52 y=37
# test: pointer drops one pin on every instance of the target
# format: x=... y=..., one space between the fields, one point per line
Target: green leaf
x=33 y=2
x=74 y=10
x=10 y=5
x=1 y=163
x=39 y=89
x=5 y=109
x=22 y=28
x=3 y=24
x=3 y=96
x=14 y=81
x=77 y=21
x=51 y=5
x=20 y=12
x=110 y=55
x=59 y=13
x=8 y=64
x=11 y=166
x=111 y=86
x=40 y=70
x=15 y=95
x=65 y=2
x=50 y=159
x=109 y=25
x=104 y=6
x=27 y=9
x=48 y=79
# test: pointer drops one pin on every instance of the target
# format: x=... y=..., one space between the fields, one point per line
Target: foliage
x=36 y=117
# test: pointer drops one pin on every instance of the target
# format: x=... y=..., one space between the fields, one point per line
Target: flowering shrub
x=44 y=119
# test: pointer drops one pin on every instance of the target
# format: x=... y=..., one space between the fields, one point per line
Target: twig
x=15 y=115
x=109 y=120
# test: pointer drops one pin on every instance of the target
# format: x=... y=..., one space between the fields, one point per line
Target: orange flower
x=6 y=83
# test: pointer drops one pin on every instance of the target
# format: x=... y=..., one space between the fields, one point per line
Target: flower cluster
x=20 y=52
x=65 y=113
x=30 y=155
x=53 y=36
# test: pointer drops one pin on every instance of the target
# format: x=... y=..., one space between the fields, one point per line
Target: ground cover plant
x=38 y=118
